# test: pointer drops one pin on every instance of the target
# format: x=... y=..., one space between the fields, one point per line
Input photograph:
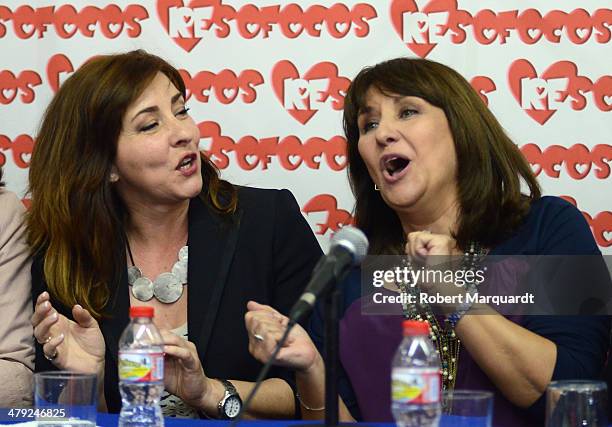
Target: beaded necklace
x=445 y=340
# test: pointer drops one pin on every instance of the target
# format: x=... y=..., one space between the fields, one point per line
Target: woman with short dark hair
x=435 y=176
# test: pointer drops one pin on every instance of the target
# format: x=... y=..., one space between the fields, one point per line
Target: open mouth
x=187 y=162
x=395 y=165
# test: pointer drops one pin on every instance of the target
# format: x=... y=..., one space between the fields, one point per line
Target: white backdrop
x=267 y=78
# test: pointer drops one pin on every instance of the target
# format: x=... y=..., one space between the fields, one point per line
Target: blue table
x=110 y=420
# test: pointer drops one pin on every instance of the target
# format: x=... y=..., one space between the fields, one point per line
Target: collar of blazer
x=212 y=243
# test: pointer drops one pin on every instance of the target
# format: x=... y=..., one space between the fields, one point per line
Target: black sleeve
x=582 y=340
x=296 y=251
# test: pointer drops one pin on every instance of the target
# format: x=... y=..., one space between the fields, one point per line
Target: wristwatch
x=230 y=405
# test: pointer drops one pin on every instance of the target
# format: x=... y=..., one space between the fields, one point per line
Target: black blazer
x=265 y=253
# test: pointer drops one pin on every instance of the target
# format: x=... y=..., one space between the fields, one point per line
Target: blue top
x=368 y=342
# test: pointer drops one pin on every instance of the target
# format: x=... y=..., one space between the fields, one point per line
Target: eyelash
x=371 y=124
x=182 y=112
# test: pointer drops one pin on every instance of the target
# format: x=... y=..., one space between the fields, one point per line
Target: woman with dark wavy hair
x=126 y=211
x=16 y=342
x=435 y=175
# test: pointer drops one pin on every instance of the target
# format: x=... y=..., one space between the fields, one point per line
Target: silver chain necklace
x=167 y=287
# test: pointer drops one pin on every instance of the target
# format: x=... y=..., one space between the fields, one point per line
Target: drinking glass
x=577 y=403
x=63 y=398
x=468 y=408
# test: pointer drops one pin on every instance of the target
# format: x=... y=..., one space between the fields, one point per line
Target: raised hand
x=266 y=327
x=421 y=244
x=71 y=345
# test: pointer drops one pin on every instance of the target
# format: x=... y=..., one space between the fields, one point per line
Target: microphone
x=348 y=248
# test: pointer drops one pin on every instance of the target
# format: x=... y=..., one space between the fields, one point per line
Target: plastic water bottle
x=415 y=378
x=141 y=371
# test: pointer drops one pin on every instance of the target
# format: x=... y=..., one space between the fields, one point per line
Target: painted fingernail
x=46 y=304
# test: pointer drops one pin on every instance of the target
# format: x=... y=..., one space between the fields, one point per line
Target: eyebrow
x=396 y=100
x=155 y=108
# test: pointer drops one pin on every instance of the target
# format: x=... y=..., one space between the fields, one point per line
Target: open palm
x=83 y=348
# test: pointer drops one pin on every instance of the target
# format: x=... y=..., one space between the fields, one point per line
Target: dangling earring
x=113 y=177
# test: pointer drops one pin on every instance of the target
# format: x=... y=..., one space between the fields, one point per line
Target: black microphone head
x=353 y=240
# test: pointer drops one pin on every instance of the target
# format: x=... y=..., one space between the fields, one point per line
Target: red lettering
x=21 y=147
x=290 y=150
x=578 y=160
x=335 y=218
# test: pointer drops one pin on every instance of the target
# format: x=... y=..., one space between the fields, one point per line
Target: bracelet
x=299 y=398
x=463 y=308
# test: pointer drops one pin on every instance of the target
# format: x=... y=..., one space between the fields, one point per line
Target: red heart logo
x=521 y=69
x=400 y=7
x=284 y=70
x=163 y=11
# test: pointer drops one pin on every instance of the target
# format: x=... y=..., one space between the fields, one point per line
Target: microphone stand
x=332 y=310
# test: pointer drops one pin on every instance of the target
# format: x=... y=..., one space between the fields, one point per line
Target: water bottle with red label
x=415 y=378
x=141 y=371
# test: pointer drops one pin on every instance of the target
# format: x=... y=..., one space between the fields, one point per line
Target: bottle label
x=409 y=385
x=141 y=367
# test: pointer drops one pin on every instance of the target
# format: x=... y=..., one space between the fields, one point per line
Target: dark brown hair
x=489 y=165
x=76 y=218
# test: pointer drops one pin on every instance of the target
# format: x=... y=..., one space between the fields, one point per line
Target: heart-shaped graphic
x=295 y=27
x=26 y=157
x=608 y=99
x=8 y=94
x=115 y=27
x=533 y=32
x=342 y=27
x=253 y=27
x=294 y=159
x=28 y=28
x=400 y=7
x=251 y=159
x=163 y=12
x=523 y=69
x=230 y=92
x=284 y=70
x=582 y=32
x=581 y=168
x=340 y=159
x=607 y=235
x=489 y=33
x=69 y=28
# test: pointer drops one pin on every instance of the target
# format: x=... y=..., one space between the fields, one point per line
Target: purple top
x=368 y=342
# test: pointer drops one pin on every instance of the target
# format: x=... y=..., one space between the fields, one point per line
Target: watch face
x=232 y=406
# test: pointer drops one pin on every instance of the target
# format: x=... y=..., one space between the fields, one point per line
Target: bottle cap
x=415 y=327
x=141 y=311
